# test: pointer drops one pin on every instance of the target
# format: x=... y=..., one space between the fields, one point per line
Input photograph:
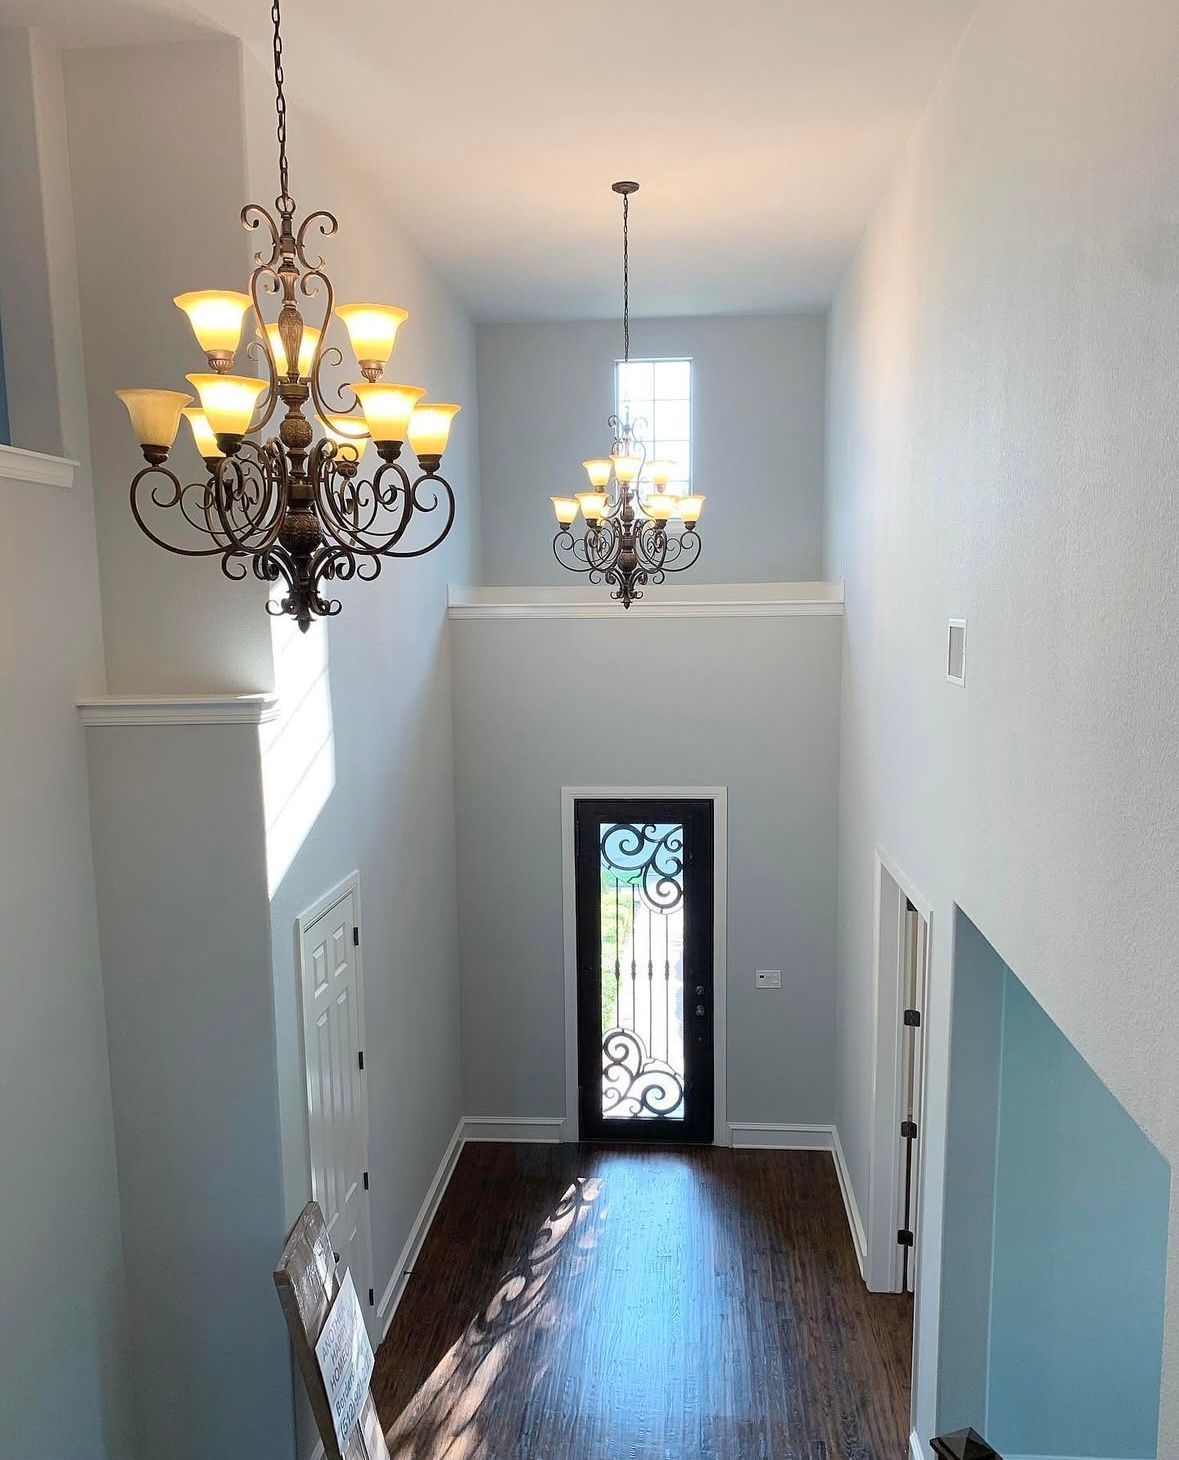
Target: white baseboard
x=915 y=1447
x=761 y=1135
x=854 y=1221
x=757 y=1135
x=542 y=1129
x=545 y=1129
x=403 y=1267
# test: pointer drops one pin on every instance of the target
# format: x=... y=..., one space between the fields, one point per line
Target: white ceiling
x=762 y=131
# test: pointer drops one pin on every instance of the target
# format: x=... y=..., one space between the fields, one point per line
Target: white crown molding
x=35 y=467
x=704 y=600
x=255 y=709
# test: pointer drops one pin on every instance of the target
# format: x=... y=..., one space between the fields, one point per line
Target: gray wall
x=179 y=855
x=63 y=1339
x=157 y=202
x=1002 y=446
x=750 y=704
x=546 y=391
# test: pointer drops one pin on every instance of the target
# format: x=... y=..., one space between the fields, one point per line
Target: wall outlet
x=768 y=978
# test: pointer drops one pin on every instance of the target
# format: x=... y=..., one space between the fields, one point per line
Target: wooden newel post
x=308 y=1286
x=963 y=1445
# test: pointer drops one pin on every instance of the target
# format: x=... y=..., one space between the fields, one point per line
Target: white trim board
x=542 y=1129
x=539 y=1129
x=680 y=600
x=719 y=796
x=403 y=1267
x=36 y=468
x=777 y=1136
x=760 y=1135
x=252 y=709
x=915 y=1451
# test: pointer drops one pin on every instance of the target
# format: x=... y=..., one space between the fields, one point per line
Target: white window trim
x=652 y=450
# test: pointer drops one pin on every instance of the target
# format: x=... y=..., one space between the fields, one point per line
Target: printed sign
x=345 y=1361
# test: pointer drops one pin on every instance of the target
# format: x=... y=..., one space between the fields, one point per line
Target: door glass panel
x=641 y=867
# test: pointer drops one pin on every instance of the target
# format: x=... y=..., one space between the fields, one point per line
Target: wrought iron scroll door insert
x=644 y=969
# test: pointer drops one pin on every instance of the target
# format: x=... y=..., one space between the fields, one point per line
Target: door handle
x=700 y=1008
x=699 y=989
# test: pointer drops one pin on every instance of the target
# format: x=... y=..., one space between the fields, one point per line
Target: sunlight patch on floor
x=442 y=1417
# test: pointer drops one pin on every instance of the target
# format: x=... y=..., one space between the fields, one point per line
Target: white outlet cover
x=768 y=978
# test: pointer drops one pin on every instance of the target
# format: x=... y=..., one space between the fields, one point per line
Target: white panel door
x=337 y=1109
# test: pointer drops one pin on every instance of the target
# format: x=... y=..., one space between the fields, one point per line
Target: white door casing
x=897 y=940
x=337 y=1104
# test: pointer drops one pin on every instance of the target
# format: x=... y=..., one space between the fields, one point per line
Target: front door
x=644 y=969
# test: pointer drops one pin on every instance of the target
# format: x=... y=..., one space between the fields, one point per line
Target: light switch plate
x=768 y=978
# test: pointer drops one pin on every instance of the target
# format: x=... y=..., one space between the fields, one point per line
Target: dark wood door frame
x=696 y=815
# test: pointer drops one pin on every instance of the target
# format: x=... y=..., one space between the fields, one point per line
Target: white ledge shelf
x=702 y=600
x=256 y=709
x=35 y=467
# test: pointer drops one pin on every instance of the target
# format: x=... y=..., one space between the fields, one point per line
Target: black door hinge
x=366 y=1181
x=371 y=1300
x=360 y=1059
x=913 y=1018
x=909 y=1129
x=905 y=1237
x=356 y=937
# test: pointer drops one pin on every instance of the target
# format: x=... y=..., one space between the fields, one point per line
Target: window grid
x=659 y=392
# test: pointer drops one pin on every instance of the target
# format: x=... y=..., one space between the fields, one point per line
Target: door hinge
x=356 y=937
x=909 y=1129
x=360 y=1059
x=371 y=1299
x=905 y=1237
x=913 y=1018
x=366 y=1181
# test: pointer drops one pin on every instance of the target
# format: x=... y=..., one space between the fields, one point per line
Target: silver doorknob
x=699 y=989
x=700 y=1008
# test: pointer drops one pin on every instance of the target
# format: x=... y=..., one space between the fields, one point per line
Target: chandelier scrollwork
x=636 y=529
x=298 y=510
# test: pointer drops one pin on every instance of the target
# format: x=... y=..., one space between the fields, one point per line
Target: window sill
x=35 y=467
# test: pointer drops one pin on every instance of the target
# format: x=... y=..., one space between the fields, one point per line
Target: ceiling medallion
x=295 y=508
x=627 y=541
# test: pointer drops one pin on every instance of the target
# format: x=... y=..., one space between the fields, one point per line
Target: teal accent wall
x=1079 y=1255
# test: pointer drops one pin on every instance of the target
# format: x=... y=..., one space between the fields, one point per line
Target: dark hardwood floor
x=598 y=1303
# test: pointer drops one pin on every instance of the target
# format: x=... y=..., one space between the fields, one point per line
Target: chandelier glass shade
x=636 y=530
x=298 y=509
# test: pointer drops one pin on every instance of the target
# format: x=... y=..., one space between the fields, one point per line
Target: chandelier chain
x=280 y=100
x=625 y=271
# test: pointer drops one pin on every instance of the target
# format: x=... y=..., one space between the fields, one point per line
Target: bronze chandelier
x=627 y=541
x=294 y=508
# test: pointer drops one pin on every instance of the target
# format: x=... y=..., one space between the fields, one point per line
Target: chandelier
x=628 y=539
x=296 y=509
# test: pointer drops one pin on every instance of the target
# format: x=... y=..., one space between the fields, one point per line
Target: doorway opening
x=902 y=958
x=644 y=874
